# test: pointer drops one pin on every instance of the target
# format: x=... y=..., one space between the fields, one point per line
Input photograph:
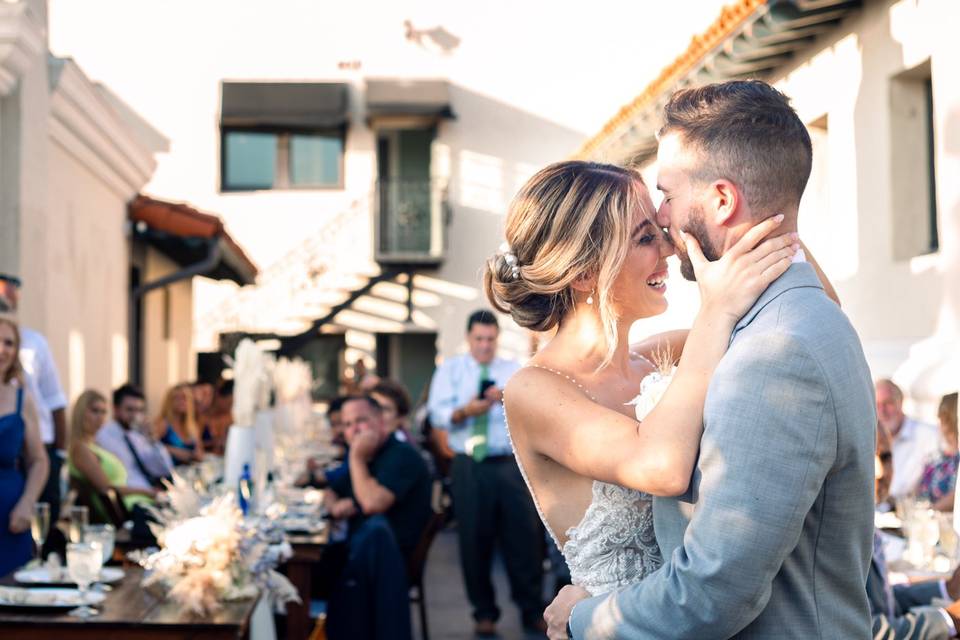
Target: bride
x=586 y=258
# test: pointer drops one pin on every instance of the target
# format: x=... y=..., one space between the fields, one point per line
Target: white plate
x=46 y=598
x=41 y=575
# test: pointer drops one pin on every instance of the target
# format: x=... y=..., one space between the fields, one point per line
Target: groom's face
x=684 y=206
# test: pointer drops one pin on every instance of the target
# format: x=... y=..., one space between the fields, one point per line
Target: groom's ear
x=725 y=202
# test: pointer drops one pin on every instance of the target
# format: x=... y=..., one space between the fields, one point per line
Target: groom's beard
x=698 y=229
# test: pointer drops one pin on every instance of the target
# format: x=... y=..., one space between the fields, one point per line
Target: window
x=262 y=159
x=913 y=174
x=282 y=135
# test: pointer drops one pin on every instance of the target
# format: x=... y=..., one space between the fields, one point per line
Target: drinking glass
x=84 y=560
x=79 y=518
x=105 y=534
x=40 y=527
x=929 y=534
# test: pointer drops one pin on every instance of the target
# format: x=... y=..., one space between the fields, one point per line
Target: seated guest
x=147 y=462
x=202 y=404
x=940 y=476
x=904 y=612
x=92 y=463
x=395 y=401
x=386 y=476
x=20 y=442
x=915 y=443
x=315 y=475
x=220 y=417
x=176 y=426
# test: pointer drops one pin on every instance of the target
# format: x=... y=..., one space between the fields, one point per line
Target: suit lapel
x=799 y=275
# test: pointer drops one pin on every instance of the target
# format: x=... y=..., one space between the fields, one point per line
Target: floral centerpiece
x=210 y=554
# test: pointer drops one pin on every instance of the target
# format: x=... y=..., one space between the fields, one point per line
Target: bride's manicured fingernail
x=795 y=236
x=778 y=217
x=795 y=247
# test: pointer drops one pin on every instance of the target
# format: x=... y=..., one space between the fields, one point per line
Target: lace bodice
x=614 y=544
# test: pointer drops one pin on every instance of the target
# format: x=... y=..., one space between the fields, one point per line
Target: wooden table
x=129 y=612
x=307 y=551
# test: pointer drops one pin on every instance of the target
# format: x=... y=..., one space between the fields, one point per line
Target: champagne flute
x=40 y=528
x=79 y=518
x=84 y=560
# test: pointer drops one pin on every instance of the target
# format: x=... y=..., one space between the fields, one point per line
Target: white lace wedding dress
x=614 y=544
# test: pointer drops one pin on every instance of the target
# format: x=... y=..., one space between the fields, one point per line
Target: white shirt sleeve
x=48 y=381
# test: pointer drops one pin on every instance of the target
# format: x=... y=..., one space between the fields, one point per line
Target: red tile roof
x=731 y=17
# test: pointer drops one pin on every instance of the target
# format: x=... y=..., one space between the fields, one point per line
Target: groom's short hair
x=746 y=132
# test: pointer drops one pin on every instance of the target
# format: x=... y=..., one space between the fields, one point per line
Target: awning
x=185 y=235
x=394 y=97
x=307 y=105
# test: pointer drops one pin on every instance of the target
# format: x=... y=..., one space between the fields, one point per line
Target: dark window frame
x=281 y=174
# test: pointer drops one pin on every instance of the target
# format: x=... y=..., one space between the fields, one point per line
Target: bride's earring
x=590 y=298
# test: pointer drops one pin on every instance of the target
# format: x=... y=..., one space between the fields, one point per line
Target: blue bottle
x=244 y=489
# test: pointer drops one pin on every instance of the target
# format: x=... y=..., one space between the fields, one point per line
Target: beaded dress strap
x=563 y=375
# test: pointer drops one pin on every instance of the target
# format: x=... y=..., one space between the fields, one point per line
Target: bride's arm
x=558 y=421
x=827 y=285
x=668 y=344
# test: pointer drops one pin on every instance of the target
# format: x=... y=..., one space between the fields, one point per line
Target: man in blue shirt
x=490 y=500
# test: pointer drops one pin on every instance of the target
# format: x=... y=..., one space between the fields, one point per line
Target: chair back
x=418 y=558
x=105 y=507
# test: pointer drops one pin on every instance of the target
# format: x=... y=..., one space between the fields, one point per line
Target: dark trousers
x=51 y=495
x=371 y=600
x=493 y=507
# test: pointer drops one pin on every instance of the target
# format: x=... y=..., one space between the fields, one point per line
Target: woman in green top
x=97 y=466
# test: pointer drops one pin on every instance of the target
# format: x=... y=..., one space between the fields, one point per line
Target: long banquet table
x=129 y=612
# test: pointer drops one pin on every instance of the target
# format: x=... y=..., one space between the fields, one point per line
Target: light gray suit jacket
x=774 y=538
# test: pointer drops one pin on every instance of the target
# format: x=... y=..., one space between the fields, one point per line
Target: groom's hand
x=558 y=613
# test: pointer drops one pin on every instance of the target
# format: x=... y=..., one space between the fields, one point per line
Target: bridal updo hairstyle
x=570 y=219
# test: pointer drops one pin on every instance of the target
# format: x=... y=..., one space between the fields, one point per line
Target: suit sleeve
x=769 y=441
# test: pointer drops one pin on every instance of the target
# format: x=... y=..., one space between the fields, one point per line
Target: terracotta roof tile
x=731 y=17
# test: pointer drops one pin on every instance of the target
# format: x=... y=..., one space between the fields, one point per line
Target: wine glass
x=84 y=560
x=79 y=518
x=40 y=527
x=105 y=535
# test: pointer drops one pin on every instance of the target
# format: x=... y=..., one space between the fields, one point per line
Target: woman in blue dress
x=176 y=426
x=19 y=435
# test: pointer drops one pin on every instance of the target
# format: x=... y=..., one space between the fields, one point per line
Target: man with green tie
x=490 y=500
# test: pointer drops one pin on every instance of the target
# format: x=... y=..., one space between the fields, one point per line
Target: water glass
x=40 y=527
x=105 y=535
x=79 y=518
x=84 y=560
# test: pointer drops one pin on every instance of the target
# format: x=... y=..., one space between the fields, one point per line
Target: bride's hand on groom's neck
x=731 y=285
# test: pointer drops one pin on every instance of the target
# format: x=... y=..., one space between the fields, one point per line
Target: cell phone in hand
x=484 y=385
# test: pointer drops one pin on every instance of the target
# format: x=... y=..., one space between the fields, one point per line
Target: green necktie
x=480 y=424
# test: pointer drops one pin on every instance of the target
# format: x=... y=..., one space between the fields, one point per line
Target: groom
x=773 y=539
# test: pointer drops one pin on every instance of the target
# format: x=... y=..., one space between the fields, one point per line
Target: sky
x=575 y=63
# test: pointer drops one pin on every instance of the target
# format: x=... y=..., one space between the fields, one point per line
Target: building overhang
x=21 y=40
x=750 y=39
x=186 y=236
x=284 y=105
x=396 y=98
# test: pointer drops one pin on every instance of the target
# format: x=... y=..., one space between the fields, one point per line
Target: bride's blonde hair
x=569 y=220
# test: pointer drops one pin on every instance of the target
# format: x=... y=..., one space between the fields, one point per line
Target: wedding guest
x=386 y=476
x=914 y=443
x=93 y=464
x=147 y=462
x=902 y=612
x=203 y=391
x=394 y=399
x=220 y=417
x=490 y=500
x=43 y=382
x=940 y=477
x=315 y=474
x=19 y=440
x=176 y=426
